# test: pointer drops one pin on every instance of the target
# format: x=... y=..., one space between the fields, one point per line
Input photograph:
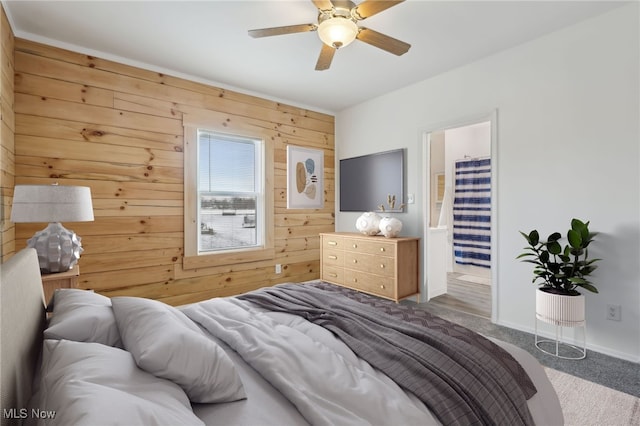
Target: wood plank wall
x=7 y=147
x=81 y=120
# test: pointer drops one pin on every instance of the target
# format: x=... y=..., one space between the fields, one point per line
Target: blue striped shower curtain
x=472 y=212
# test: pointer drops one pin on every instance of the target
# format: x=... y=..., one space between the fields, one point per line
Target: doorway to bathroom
x=459 y=217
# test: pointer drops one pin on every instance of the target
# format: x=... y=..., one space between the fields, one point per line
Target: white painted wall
x=467 y=141
x=568 y=146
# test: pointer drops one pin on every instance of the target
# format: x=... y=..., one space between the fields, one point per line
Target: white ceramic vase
x=368 y=223
x=390 y=227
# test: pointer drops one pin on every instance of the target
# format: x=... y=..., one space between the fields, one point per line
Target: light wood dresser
x=385 y=267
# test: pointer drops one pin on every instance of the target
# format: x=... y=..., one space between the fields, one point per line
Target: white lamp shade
x=51 y=203
x=337 y=32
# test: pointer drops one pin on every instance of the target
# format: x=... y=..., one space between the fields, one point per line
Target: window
x=230 y=192
x=228 y=195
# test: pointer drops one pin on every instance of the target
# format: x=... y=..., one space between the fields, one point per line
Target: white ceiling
x=207 y=41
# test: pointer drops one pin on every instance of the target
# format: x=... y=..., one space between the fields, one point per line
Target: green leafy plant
x=557 y=269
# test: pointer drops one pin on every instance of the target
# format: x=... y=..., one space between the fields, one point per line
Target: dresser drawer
x=333 y=274
x=369 y=263
x=332 y=242
x=377 y=246
x=370 y=283
x=332 y=257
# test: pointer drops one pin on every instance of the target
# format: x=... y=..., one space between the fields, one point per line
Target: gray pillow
x=83 y=316
x=91 y=384
x=166 y=343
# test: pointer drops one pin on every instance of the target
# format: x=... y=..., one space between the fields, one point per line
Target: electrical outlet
x=278 y=268
x=411 y=198
x=614 y=312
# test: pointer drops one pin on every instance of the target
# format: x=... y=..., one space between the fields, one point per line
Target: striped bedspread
x=472 y=212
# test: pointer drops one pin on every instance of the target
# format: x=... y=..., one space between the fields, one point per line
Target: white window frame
x=193 y=258
x=258 y=192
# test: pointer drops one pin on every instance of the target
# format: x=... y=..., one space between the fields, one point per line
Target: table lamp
x=58 y=248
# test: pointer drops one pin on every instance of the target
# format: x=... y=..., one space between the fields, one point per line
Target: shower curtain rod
x=468 y=157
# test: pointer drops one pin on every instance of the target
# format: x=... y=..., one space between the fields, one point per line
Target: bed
x=292 y=354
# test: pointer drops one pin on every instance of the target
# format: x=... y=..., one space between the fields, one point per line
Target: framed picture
x=305 y=175
x=439 y=187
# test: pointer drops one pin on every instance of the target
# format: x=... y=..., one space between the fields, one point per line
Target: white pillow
x=166 y=343
x=83 y=316
x=94 y=384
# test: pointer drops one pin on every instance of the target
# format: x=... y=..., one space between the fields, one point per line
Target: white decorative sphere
x=390 y=227
x=368 y=223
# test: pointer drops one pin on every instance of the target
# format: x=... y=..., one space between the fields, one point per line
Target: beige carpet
x=590 y=404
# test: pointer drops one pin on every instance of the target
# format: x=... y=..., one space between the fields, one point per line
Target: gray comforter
x=461 y=382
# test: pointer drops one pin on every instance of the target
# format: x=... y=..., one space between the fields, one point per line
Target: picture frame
x=305 y=178
x=439 y=184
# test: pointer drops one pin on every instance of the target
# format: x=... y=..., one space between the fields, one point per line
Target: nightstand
x=68 y=279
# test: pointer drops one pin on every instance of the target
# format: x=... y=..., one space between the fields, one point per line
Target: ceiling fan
x=338 y=26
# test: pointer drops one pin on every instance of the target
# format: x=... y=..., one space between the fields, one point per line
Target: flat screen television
x=368 y=180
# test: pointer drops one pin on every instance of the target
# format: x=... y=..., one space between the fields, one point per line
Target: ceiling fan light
x=337 y=32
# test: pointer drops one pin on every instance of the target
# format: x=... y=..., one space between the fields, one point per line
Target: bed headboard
x=22 y=318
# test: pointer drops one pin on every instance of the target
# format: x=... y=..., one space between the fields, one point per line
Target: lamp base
x=58 y=248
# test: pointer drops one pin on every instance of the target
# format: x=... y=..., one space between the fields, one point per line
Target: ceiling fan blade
x=325 y=58
x=323 y=4
x=383 y=42
x=368 y=8
x=290 y=29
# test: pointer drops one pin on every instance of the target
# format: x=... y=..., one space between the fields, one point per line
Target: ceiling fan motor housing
x=337 y=27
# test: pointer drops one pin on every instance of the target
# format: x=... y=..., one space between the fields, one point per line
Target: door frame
x=425 y=133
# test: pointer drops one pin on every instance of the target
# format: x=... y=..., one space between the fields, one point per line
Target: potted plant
x=559 y=272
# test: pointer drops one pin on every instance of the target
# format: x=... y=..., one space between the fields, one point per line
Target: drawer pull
x=382 y=249
x=355 y=260
x=331 y=274
x=333 y=257
x=332 y=243
x=382 y=266
x=355 y=280
x=355 y=246
x=382 y=287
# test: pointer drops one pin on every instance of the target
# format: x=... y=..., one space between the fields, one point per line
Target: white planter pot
x=556 y=309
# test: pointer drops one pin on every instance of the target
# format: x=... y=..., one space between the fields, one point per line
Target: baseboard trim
x=596 y=348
